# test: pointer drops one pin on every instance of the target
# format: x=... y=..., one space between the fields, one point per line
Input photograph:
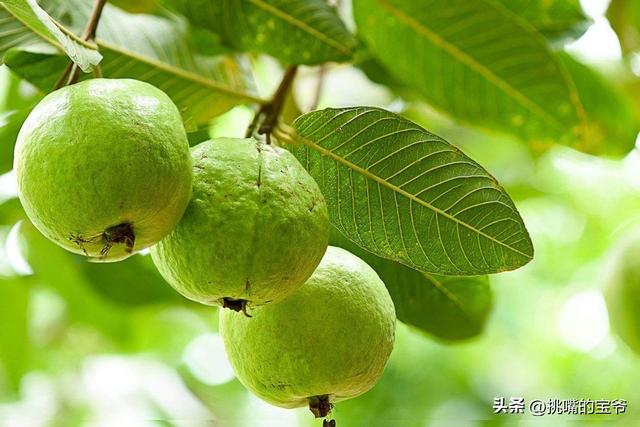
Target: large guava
x=623 y=292
x=328 y=341
x=103 y=167
x=254 y=231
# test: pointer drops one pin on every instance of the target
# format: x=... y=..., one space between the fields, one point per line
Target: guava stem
x=320 y=405
x=72 y=71
x=268 y=115
x=236 y=305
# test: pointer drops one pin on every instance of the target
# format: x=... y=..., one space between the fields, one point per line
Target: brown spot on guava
x=118 y=234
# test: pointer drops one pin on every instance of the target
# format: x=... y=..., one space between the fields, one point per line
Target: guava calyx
x=117 y=234
x=320 y=405
x=236 y=305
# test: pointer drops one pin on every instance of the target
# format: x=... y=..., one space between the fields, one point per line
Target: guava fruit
x=103 y=167
x=254 y=231
x=623 y=292
x=328 y=341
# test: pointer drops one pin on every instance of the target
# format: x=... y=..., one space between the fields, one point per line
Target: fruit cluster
x=104 y=169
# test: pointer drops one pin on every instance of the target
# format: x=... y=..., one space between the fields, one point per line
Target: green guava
x=623 y=292
x=254 y=231
x=103 y=167
x=328 y=341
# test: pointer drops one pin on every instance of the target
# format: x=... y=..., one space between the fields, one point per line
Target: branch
x=72 y=72
x=267 y=116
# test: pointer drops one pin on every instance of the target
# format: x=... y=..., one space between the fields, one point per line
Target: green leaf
x=10 y=124
x=450 y=308
x=21 y=20
x=476 y=61
x=132 y=282
x=58 y=269
x=11 y=211
x=17 y=100
x=624 y=16
x=136 y=6
x=613 y=124
x=198 y=136
x=408 y=195
x=555 y=19
x=294 y=31
x=150 y=48
x=14 y=334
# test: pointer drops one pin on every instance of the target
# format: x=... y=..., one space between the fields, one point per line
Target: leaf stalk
x=266 y=119
x=72 y=71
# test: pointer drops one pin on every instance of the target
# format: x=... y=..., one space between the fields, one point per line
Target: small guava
x=254 y=231
x=103 y=167
x=328 y=341
x=623 y=292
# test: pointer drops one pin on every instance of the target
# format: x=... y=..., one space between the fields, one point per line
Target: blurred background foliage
x=100 y=345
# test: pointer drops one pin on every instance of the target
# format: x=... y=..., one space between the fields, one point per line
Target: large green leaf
x=57 y=269
x=150 y=48
x=23 y=21
x=476 y=61
x=553 y=18
x=408 y=195
x=294 y=31
x=14 y=334
x=613 y=124
x=450 y=308
x=131 y=282
x=624 y=16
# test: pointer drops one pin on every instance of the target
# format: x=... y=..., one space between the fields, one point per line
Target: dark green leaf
x=613 y=124
x=57 y=269
x=451 y=308
x=14 y=334
x=476 y=61
x=198 y=136
x=408 y=195
x=24 y=21
x=133 y=282
x=294 y=31
x=555 y=19
x=150 y=48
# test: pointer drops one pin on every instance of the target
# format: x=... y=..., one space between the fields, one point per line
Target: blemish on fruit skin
x=117 y=234
x=320 y=405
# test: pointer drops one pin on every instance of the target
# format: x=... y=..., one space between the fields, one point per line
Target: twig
x=72 y=71
x=268 y=115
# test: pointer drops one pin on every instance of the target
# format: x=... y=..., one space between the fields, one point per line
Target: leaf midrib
x=50 y=40
x=404 y=193
x=472 y=63
x=187 y=75
x=447 y=293
x=301 y=25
